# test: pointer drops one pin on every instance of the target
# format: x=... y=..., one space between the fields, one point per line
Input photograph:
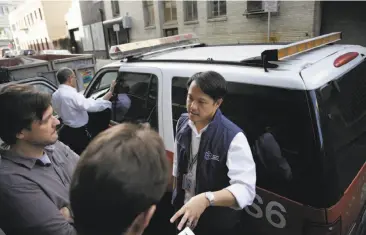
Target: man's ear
x=141 y=222
x=20 y=135
x=219 y=102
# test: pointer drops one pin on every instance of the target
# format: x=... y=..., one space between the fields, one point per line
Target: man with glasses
x=72 y=107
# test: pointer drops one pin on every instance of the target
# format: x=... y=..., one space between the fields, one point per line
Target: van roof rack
x=137 y=49
x=298 y=48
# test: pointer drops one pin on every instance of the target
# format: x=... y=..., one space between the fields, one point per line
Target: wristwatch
x=210 y=197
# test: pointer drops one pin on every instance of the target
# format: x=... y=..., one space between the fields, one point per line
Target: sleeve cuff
x=239 y=191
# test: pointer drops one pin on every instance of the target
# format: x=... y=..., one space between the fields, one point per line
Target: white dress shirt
x=239 y=161
x=72 y=106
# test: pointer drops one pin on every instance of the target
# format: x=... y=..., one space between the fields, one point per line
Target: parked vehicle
x=309 y=94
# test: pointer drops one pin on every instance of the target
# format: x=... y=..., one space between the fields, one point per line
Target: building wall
x=5 y=27
x=54 y=13
x=26 y=34
x=51 y=26
x=92 y=13
x=294 y=21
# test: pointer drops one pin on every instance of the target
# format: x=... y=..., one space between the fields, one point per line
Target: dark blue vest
x=211 y=173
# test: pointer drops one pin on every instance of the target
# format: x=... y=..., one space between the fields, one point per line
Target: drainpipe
x=104 y=33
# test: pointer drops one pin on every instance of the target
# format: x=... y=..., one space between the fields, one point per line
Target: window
x=42 y=44
x=6 y=10
x=35 y=14
x=40 y=13
x=190 y=10
x=115 y=8
x=43 y=88
x=149 y=13
x=13 y=27
x=278 y=115
x=47 y=46
x=216 y=9
x=138 y=96
x=170 y=32
x=170 y=11
x=342 y=112
x=31 y=16
x=1 y=11
x=254 y=6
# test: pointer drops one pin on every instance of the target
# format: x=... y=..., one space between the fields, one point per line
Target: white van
x=310 y=95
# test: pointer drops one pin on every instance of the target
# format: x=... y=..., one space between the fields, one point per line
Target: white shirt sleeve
x=242 y=172
x=90 y=105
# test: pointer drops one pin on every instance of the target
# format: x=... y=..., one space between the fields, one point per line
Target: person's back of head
x=66 y=76
x=120 y=178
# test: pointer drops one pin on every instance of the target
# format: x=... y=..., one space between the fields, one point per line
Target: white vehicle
x=310 y=96
x=55 y=52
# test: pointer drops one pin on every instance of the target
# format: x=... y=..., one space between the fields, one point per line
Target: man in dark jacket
x=213 y=165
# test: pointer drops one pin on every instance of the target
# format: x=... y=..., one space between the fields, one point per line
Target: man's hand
x=66 y=214
x=191 y=211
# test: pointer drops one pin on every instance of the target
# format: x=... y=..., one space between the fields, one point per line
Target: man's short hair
x=20 y=105
x=211 y=83
x=121 y=174
x=63 y=74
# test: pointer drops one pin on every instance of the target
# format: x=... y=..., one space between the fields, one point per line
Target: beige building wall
x=37 y=22
x=55 y=12
x=294 y=21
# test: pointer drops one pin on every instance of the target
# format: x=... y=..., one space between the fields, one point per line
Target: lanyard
x=192 y=159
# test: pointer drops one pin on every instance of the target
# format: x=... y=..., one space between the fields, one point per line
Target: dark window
x=190 y=10
x=40 y=13
x=342 y=111
x=254 y=6
x=48 y=47
x=170 y=11
x=42 y=44
x=170 y=32
x=142 y=92
x=115 y=8
x=149 y=13
x=35 y=14
x=216 y=9
x=278 y=127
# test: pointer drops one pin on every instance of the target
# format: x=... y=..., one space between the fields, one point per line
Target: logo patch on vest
x=210 y=156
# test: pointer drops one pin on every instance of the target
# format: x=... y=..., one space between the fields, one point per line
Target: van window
x=278 y=127
x=138 y=99
x=342 y=112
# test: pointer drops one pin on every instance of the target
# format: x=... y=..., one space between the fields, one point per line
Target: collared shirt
x=32 y=191
x=239 y=162
x=73 y=107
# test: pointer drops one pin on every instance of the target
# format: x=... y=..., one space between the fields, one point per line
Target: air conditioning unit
x=270 y=5
x=261 y=7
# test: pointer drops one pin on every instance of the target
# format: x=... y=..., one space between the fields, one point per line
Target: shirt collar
x=194 y=129
x=63 y=86
x=25 y=161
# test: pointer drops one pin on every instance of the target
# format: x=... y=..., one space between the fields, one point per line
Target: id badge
x=187 y=182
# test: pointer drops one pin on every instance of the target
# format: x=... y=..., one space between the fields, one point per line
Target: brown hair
x=20 y=105
x=121 y=174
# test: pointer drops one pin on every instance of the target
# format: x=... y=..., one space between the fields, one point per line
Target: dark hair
x=122 y=172
x=20 y=105
x=63 y=74
x=211 y=83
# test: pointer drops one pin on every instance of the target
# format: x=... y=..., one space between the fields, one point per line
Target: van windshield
x=342 y=114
